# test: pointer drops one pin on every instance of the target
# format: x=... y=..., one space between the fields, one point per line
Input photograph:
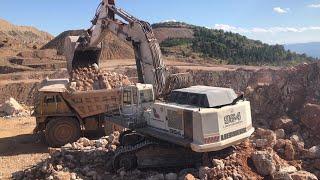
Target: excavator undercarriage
x=139 y=151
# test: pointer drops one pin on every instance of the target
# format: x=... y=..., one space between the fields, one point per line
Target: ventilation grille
x=174 y=119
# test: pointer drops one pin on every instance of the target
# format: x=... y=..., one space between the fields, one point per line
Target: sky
x=271 y=21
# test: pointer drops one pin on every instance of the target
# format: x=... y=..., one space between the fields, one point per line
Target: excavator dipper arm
x=85 y=51
x=149 y=62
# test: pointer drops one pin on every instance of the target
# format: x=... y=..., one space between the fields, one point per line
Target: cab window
x=146 y=96
x=49 y=99
x=52 y=99
x=127 y=97
x=182 y=98
x=135 y=98
x=58 y=99
x=194 y=99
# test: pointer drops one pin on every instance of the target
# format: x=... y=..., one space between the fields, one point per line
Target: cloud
x=281 y=10
x=169 y=20
x=314 y=6
x=276 y=34
x=227 y=27
x=276 y=29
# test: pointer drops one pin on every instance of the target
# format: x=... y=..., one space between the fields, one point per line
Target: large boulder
x=12 y=108
x=314 y=152
x=310 y=116
x=303 y=175
x=282 y=123
x=284 y=173
x=264 y=163
x=265 y=138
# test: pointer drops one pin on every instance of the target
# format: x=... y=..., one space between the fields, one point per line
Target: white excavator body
x=206 y=117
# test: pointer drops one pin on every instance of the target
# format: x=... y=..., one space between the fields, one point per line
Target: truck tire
x=62 y=130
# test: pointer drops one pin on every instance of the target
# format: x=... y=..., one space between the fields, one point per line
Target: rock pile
x=233 y=165
x=92 y=159
x=12 y=108
x=91 y=78
x=284 y=155
x=84 y=159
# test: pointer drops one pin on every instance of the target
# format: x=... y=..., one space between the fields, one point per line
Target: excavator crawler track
x=151 y=153
x=124 y=151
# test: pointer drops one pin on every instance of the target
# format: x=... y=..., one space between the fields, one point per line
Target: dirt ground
x=122 y=63
x=19 y=148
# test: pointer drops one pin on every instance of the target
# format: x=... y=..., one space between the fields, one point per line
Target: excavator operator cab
x=136 y=98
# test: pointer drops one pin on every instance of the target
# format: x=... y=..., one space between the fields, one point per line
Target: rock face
x=86 y=79
x=51 y=54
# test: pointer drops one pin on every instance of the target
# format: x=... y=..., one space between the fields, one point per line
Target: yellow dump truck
x=64 y=114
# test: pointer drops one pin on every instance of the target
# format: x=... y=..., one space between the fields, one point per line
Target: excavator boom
x=85 y=50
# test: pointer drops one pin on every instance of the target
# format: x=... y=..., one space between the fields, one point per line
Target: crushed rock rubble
x=84 y=159
x=92 y=159
x=285 y=157
x=91 y=78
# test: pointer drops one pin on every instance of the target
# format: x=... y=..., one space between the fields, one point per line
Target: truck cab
x=49 y=102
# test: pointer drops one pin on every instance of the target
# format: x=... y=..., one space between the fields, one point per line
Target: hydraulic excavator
x=171 y=132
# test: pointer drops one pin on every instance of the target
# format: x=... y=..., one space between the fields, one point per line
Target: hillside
x=311 y=49
x=222 y=47
x=184 y=41
x=13 y=36
x=113 y=47
x=169 y=30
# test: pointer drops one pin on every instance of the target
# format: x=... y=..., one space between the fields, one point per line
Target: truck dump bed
x=90 y=103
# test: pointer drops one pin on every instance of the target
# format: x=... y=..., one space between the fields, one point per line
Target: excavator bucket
x=86 y=58
x=78 y=57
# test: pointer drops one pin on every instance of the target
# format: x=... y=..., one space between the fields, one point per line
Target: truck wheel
x=60 y=131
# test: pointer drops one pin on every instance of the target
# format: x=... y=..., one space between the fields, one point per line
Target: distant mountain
x=311 y=49
x=14 y=36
